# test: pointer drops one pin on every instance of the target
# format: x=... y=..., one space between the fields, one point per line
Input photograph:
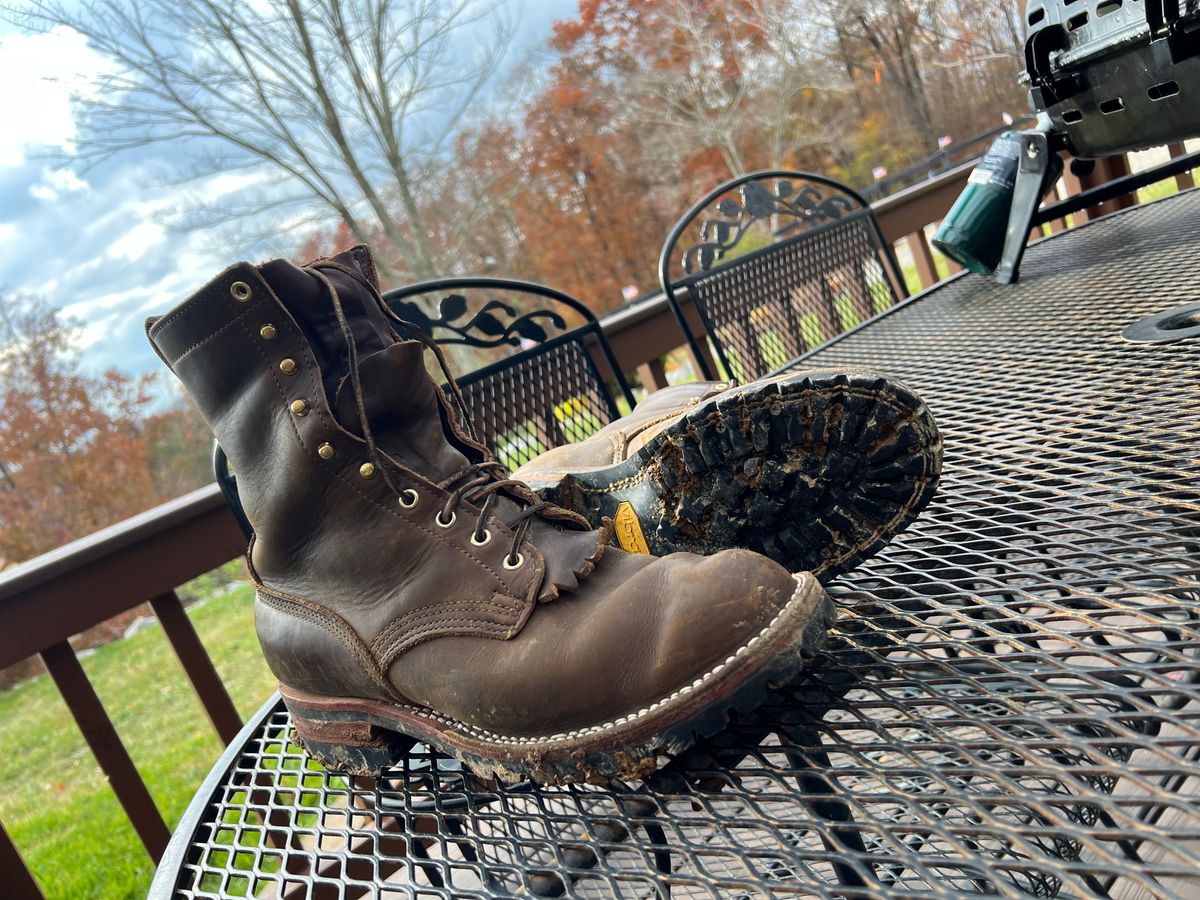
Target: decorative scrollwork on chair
x=803 y=205
x=483 y=329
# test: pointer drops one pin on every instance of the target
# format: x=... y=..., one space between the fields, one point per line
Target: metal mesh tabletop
x=1009 y=705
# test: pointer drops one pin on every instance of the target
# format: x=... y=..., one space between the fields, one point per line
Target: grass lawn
x=57 y=805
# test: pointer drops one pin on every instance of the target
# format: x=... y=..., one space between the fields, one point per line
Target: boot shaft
x=328 y=524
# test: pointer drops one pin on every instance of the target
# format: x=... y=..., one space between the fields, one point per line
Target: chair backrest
x=535 y=358
x=776 y=263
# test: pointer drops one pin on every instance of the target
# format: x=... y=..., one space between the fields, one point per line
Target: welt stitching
x=620 y=444
x=642 y=713
x=650 y=423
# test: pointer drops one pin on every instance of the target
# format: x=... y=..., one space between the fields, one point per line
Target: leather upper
x=317 y=521
x=360 y=596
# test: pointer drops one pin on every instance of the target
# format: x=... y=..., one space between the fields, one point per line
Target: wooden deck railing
x=144 y=559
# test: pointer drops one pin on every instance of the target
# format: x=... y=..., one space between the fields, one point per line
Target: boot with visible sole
x=818 y=470
x=408 y=590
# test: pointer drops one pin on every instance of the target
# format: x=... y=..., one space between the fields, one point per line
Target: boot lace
x=482 y=481
x=479 y=481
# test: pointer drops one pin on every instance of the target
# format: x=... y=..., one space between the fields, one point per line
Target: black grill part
x=1115 y=75
x=1009 y=707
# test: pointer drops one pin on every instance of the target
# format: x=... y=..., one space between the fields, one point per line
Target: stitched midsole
x=803 y=604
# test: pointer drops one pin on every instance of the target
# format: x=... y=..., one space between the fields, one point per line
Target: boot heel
x=348 y=746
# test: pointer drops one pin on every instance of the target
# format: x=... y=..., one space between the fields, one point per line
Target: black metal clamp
x=1039 y=167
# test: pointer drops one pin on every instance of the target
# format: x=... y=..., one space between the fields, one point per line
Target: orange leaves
x=73 y=447
x=648 y=103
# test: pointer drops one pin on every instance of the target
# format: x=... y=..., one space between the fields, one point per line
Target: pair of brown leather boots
x=409 y=588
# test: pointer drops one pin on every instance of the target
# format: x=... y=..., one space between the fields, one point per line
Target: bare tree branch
x=345 y=106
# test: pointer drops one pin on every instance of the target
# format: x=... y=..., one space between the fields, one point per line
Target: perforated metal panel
x=1010 y=703
x=530 y=403
x=780 y=302
x=524 y=355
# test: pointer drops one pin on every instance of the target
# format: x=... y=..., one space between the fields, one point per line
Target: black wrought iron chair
x=776 y=263
x=535 y=358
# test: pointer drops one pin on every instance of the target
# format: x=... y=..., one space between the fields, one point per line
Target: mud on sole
x=818 y=471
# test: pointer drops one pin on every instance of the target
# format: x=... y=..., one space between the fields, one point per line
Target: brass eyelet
x=512 y=568
x=268 y=332
x=441 y=524
x=326 y=451
x=408 y=492
x=367 y=470
x=240 y=291
x=487 y=539
x=299 y=407
x=288 y=367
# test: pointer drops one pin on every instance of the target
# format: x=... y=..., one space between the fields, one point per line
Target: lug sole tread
x=819 y=473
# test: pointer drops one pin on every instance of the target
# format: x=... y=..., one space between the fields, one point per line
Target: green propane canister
x=973 y=232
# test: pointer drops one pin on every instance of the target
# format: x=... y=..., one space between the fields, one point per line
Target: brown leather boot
x=408 y=589
x=817 y=470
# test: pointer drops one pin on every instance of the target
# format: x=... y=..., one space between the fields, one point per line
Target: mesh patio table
x=1009 y=705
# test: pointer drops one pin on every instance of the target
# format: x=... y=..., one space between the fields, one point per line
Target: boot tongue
x=409 y=422
x=403 y=410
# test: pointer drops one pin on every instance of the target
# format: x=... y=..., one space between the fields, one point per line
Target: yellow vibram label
x=629 y=529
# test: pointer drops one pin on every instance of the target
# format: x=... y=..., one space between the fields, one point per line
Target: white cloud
x=7 y=232
x=134 y=243
x=55 y=183
x=43 y=74
x=228 y=182
x=144 y=209
x=96 y=331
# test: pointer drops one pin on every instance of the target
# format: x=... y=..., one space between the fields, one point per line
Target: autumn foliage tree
x=735 y=80
x=384 y=121
x=647 y=104
x=76 y=450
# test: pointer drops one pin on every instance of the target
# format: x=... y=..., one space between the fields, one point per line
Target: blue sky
x=89 y=239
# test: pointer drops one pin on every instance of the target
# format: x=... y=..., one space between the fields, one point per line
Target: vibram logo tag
x=629 y=530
